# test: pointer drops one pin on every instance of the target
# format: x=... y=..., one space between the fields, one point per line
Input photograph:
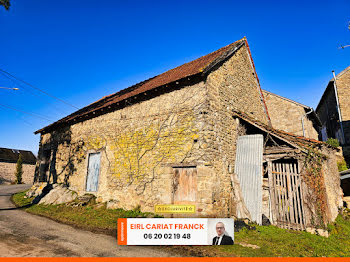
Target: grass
x=277 y=242
x=273 y=241
x=92 y=217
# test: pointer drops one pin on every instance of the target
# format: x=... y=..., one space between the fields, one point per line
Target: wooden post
x=272 y=192
x=301 y=198
x=294 y=194
x=290 y=194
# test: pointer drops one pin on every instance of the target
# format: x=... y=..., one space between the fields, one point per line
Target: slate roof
x=196 y=67
x=11 y=156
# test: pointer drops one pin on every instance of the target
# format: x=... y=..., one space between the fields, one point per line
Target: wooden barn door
x=286 y=195
x=185 y=185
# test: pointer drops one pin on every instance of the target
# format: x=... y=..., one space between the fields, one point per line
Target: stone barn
x=172 y=139
x=8 y=161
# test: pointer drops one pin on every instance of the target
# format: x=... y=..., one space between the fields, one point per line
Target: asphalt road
x=26 y=235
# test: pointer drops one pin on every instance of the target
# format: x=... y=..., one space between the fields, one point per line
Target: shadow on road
x=14 y=208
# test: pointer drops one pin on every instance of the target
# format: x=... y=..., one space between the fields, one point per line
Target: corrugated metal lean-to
x=248 y=167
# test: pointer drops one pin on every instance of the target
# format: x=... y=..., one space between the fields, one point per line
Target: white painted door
x=93 y=172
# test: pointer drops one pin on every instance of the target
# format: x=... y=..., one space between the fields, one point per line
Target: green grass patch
x=277 y=242
x=20 y=200
x=273 y=241
x=91 y=217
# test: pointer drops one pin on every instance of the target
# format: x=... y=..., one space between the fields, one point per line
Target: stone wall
x=233 y=86
x=286 y=115
x=143 y=143
x=7 y=173
x=343 y=86
x=139 y=147
x=332 y=183
x=328 y=113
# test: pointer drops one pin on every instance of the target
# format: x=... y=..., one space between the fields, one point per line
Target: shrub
x=333 y=142
x=342 y=165
x=19 y=170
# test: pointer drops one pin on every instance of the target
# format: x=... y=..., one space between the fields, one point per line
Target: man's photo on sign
x=221 y=231
x=221 y=238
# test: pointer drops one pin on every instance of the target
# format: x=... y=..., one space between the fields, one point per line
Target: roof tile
x=189 y=69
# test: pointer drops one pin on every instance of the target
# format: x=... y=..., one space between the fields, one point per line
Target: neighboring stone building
x=291 y=116
x=8 y=161
x=172 y=140
x=327 y=110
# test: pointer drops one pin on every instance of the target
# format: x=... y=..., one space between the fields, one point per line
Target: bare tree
x=5 y=3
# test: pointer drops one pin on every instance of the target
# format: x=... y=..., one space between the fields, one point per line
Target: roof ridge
x=192 y=61
x=343 y=72
x=287 y=99
x=191 y=68
x=15 y=149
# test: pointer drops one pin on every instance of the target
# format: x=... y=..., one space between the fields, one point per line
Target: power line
x=26 y=89
x=40 y=90
x=28 y=113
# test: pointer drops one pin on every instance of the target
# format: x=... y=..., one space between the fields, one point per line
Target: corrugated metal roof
x=192 y=68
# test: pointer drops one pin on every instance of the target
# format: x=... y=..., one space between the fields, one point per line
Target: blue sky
x=81 y=51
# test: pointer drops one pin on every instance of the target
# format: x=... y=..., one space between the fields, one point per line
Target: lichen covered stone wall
x=140 y=145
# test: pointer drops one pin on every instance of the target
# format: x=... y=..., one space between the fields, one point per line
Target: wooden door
x=286 y=195
x=93 y=172
x=185 y=185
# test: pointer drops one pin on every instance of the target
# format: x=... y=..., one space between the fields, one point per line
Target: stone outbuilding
x=300 y=186
x=291 y=116
x=181 y=138
x=8 y=161
x=334 y=111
